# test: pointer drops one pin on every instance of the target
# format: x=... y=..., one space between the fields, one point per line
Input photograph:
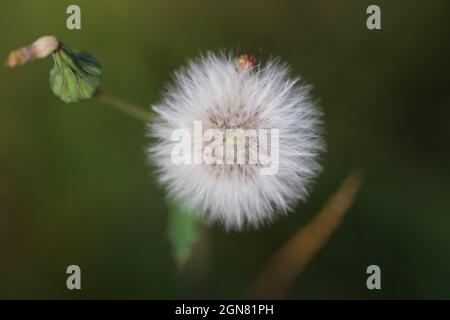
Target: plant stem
x=124 y=107
x=276 y=278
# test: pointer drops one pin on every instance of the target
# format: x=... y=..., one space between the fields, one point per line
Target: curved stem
x=123 y=106
x=276 y=278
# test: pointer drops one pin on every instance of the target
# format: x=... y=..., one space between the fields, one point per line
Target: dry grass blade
x=276 y=278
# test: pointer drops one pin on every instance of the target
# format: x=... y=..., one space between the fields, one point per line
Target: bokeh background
x=75 y=186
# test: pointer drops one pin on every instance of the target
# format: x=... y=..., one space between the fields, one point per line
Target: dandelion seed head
x=222 y=93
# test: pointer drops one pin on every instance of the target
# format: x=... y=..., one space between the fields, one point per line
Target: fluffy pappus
x=213 y=90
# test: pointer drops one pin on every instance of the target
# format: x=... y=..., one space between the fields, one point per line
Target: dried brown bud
x=41 y=48
x=245 y=62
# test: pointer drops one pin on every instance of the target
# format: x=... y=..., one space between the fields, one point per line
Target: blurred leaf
x=183 y=231
x=75 y=75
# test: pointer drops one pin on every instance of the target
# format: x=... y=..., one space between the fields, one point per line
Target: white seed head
x=213 y=91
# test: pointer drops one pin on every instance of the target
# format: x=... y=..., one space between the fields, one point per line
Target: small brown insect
x=245 y=62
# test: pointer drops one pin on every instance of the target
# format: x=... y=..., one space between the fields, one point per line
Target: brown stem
x=276 y=278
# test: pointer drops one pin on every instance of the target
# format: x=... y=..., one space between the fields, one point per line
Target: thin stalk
x=276 y=278
x=123 y=106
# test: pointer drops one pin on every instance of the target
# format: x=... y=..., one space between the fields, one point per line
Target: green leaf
x=183 y=231
x=75 y=76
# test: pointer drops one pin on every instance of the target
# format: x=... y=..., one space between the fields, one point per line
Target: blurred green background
x=75 y=186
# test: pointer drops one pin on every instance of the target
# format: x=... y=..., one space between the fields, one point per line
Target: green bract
x=75 y=75
x=183 y=232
